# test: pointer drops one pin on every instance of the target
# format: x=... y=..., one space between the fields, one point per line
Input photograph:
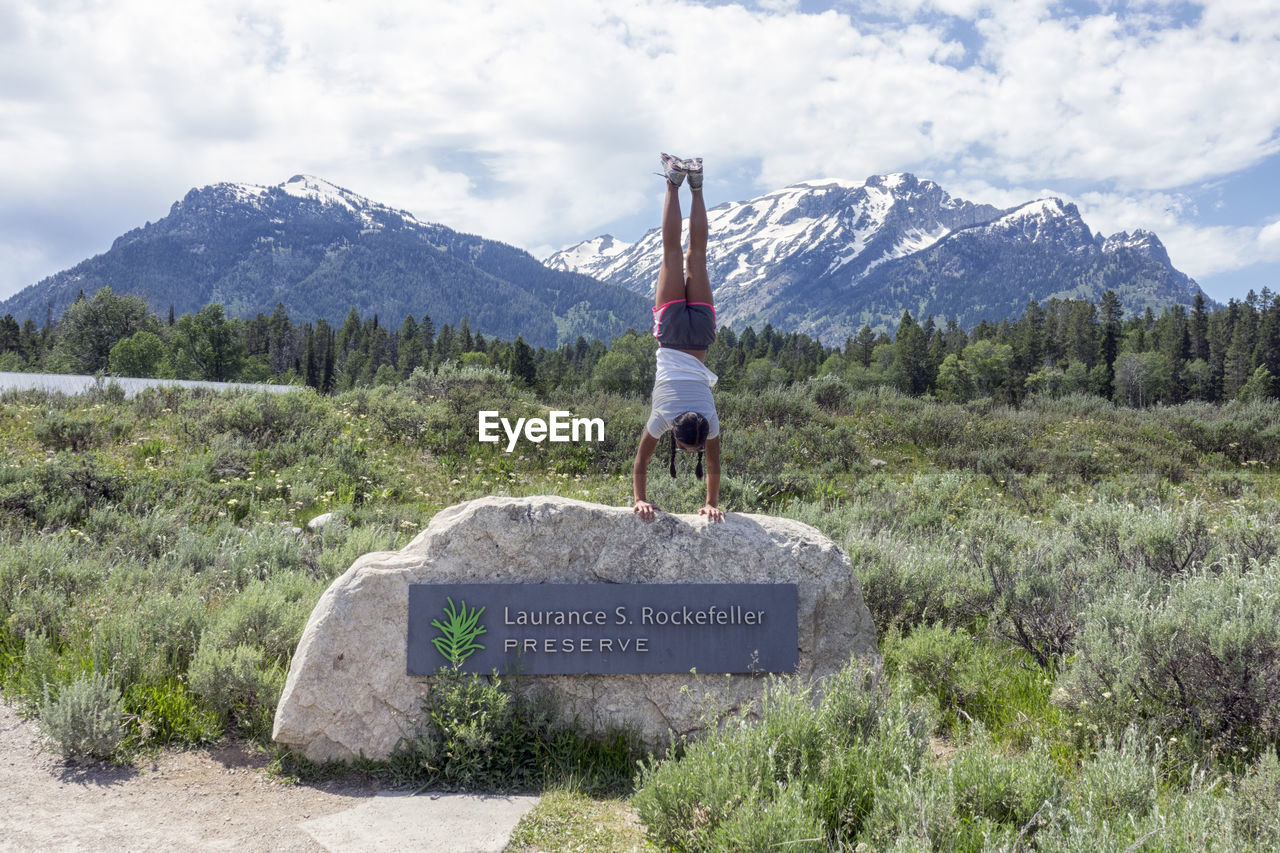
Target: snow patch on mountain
x=588 y=252
x=812 y=253
x=1141 y=241
x=830 y=228
x=312 y=190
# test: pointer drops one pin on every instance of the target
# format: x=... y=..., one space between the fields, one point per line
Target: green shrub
x=84 y=719
x=1240 y=431
x=937 y=661
x=1121 y=801
x=1120 y=779
x=787 y=821
x=1038 y=582
x=461 y=391
x=61 y=491
x=167 y=713
x=263 y=419
x=777 y=407
x=34 y=667
x=1201 y=665
x=830 y=392
x=809 y=768
x=238 y=684
x=908 y=583
x=66 y=431
x=230 y=455
x=915 y=811
x=1157 y=541
x=37 y=612
x=1005 y=789
x=268 y=615
x=486 y=734
x=976 y=680
x=1256 y=797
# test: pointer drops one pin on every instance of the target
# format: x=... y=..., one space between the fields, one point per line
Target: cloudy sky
x=539 y=123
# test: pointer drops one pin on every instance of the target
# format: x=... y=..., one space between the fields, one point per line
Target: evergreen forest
x=1062 y=347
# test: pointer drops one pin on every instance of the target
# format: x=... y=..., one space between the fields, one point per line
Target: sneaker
x=693 y=168
x=672 y=168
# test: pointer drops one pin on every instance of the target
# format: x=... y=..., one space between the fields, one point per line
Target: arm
x=640 y=475
x=712 y=509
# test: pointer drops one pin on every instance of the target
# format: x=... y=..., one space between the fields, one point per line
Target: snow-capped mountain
x=828 y=228
x=825 y=257
x=321 y=250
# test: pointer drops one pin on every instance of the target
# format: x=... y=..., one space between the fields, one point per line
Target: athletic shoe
x=672 y=168
x=693 y=168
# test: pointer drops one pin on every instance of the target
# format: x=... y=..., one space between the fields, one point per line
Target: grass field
x=1078 y=604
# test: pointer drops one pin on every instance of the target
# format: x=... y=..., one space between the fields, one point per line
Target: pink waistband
x=659 y=308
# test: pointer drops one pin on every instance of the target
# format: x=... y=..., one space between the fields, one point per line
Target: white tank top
x=682 y=384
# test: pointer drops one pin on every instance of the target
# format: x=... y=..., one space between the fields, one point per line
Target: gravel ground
x=219 y=798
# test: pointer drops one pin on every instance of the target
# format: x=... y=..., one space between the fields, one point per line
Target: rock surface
x=347 y=693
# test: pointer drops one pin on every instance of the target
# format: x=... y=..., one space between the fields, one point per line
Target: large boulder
x=348 y=693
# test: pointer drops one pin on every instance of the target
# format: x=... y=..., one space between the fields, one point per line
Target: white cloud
x=537 y=125
x=1269 y=240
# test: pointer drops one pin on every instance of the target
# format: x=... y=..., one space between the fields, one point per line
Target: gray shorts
x=680 y=324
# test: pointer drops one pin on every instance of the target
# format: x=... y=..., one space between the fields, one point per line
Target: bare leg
x=671 y=273
x=698 y=286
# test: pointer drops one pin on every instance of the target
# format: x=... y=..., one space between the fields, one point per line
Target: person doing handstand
x=684 y=322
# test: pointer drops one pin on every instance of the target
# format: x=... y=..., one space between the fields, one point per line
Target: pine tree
x=408 y=347
x=465 y=343
x=1267 y=349
x=1174 y=343
x=1029 y=344
x=283 y=344
x=1110 y=313
x=446 y=346
x=328 y=363
x=349 y=334
x=865 y=345
x=1082 y=342
x=912 y=356
x=310 y=363
x=1221 y=329
x=1198 y=329
x=1237 y=367
x=427 y=333
x=522 y=365
x=10 y=334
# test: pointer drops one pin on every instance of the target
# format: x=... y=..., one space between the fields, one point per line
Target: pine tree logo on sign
x=458 y=633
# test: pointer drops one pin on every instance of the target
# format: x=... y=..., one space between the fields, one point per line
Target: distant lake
x=67 y=384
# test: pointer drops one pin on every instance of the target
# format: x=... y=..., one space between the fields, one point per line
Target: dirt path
x=208 y=799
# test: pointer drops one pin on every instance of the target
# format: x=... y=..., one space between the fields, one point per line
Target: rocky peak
x=1047 y=220
x=1141 y=241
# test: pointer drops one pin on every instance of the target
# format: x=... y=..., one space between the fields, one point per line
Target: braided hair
x=689 y=428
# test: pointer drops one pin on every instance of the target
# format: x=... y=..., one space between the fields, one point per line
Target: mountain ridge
x=321 y=250
x=864 y=253
x=821 y=257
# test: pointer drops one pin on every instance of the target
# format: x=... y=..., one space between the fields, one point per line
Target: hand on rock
x=713 y=513
x=645 y=510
